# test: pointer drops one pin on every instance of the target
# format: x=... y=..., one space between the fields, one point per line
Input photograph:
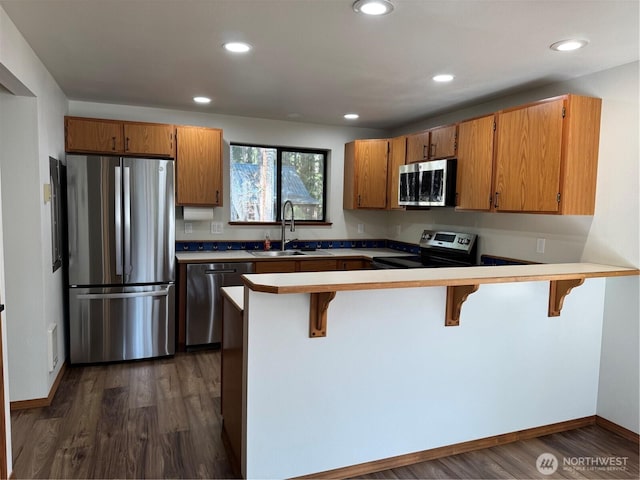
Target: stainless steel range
x=437 y=249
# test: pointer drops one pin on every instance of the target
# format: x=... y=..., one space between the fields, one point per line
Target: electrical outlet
x=361 y=228
x=540 y=244
x=188 y=227
x=216 y=228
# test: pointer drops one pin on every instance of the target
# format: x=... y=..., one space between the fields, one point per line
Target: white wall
x=620 y=364
x=32 y=130
x=267 y=132
x=3 y=328
x=390 y=379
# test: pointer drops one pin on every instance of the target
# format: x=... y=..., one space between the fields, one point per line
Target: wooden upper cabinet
x=417 y=147
x=475 y=163
x=92 y=135
x=198 y=166
x=117 y=137
x=547 y=156
x=529 y=151
x=365 y=174
x=439 y=142
x=442 y=142
x=149 y=139
x=397 y=155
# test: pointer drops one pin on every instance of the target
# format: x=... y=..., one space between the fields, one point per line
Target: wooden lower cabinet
x=311 y=265
x=324 y=265
x=354 y=264
x=278 y=266
x=231 y=381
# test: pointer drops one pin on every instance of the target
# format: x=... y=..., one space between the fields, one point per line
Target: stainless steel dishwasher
x=204 y=301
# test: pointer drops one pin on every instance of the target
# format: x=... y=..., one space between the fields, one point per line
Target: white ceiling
x=314 y=60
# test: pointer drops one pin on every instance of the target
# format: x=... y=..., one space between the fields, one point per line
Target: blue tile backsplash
x=182 y=246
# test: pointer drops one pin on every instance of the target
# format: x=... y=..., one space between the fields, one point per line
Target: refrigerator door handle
x=105 y=296
x=117 y=208
x=127 y=221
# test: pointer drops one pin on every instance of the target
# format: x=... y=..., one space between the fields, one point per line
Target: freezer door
x=148 y=220
x=112 y=324
x=94 y=220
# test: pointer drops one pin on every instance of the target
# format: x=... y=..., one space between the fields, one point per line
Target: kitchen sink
x=276 y=253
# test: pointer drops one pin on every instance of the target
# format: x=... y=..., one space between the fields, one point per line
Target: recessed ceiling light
x=444 y=77
x=237 y=47
x=373 y=7
x=568 y=45
x=351 y=116
x=202 y=100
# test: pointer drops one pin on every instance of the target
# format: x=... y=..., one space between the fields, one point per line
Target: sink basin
x=276 y=253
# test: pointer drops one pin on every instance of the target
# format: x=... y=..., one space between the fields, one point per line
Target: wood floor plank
x=71 y=462
x=142 y=385
x=142 y=441
x=39 y=453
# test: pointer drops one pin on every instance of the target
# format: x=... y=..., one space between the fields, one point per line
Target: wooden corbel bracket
x=558 y=289
x=318 y=313
x=456 y=296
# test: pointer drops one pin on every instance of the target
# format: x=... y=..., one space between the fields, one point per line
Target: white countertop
x=245 y=255
x=308 y=282
x=235 y=295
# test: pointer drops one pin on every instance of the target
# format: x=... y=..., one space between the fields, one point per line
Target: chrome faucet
x=284 y=223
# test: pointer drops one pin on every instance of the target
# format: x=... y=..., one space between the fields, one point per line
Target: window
x=263 y=178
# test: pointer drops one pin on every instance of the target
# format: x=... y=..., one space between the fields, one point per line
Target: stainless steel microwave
x=428 y=184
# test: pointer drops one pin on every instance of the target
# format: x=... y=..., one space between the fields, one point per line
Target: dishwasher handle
x=222 y=270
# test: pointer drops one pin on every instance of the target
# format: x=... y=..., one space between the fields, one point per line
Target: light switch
x=188 y=227
x=540 y=244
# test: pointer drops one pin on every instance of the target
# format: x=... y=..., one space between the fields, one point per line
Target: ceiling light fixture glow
x=202 y=100
x=351 y=116
x=444 y=77
x=237 y=47
x=568 y=45
x=373 y=7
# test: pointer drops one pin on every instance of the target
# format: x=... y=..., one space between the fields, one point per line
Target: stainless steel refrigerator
x=121 y=223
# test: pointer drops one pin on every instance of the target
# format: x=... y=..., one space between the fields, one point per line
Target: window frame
x=279 y=150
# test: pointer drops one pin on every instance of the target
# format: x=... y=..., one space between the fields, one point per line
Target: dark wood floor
x=147 y=419
x=161 y=419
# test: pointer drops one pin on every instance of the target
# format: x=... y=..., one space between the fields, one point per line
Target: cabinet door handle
x=432 y=150
x=497 y=197
x=113 y=143
x=358 y=200
x=217 y=196
x=457 y=198
x=126 y=144
x=424 y=154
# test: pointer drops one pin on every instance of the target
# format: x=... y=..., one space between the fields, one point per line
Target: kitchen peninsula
x=351 y=372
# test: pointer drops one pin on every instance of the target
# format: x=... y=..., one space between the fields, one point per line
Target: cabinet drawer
x=284 y=266
x=316 y=265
